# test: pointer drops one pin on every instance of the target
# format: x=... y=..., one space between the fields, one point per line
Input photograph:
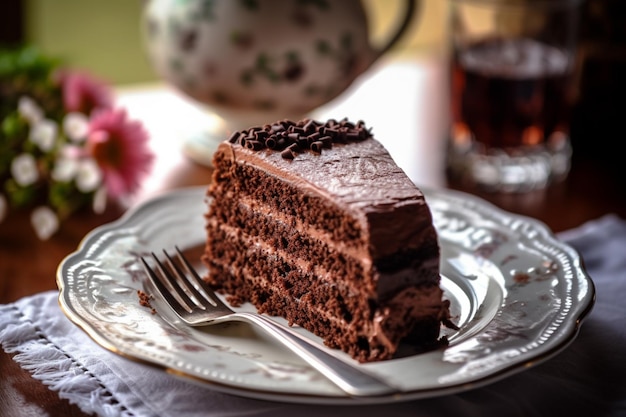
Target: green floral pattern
x=315 y=70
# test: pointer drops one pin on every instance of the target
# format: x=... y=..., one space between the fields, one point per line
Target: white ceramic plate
x=517 y=293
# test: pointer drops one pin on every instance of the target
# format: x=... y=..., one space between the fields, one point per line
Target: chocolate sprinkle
x=317 y=146
x=287 y=154
x=291 y=138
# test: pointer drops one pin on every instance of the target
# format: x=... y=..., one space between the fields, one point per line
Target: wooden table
x=401 y=101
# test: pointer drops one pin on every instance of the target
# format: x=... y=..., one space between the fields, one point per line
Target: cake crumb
x=144 y=300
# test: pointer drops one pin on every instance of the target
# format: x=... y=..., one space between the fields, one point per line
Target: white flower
x=29 y=110
x=44 y=134
x=75 y=126
x=100 y=200
x=88 y=176
x=44 y=221
x=65 y=169
x=3 y=207
x=24 y=169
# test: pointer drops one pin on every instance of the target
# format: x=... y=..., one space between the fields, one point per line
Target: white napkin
x=588 y=378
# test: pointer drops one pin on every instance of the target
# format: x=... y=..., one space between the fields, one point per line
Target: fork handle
x=347 y=377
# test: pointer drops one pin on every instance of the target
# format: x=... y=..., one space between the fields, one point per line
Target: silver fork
x=196 y=304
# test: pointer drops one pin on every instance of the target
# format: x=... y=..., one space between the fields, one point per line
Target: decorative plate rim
x=541 y=283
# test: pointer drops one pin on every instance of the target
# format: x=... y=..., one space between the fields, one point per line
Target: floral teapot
x=258 y=61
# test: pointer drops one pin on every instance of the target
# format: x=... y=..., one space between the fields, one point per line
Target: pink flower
x=120 y=148
x=83 y=93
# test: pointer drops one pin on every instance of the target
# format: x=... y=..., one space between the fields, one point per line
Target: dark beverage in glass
x=510 y=101
x=512 y=68
x=510 y=92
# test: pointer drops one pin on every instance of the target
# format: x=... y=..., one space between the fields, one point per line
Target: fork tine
x=209 y=294
x=175 y=281
x=158 y=283
x=183 y=279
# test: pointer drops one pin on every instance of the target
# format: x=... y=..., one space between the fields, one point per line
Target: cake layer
x=338 y=258
x=238 y=250
x=363 y=327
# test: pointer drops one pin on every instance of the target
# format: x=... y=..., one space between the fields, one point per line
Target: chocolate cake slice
x=315 y=222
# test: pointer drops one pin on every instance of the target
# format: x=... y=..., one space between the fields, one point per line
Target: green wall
x=101 y=36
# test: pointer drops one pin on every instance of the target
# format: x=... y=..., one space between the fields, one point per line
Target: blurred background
x=104 y=37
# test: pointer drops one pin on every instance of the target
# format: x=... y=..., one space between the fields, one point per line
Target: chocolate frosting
x=360 y=176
